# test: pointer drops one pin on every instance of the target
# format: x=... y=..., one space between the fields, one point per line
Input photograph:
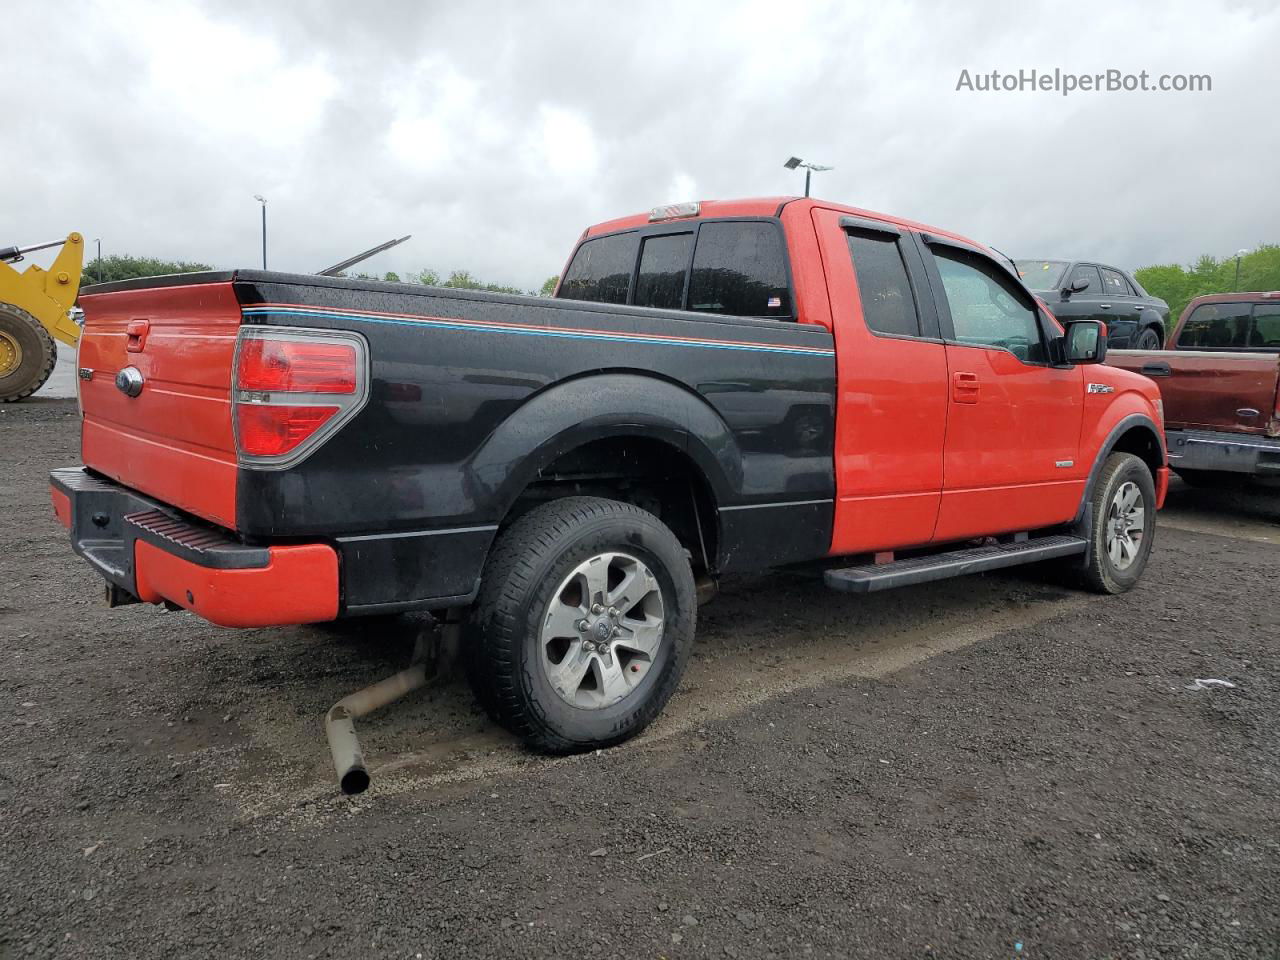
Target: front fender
x=575 y=412
x=1127 y=412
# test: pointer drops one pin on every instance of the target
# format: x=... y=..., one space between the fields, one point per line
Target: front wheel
x=583 y=625
x=1124 y=524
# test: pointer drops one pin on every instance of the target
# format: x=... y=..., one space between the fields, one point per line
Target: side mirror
x=1075 y=286
x=1084 y=342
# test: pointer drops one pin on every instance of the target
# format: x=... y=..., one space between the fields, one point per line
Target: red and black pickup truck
x=1219 y=377
x=717 y=387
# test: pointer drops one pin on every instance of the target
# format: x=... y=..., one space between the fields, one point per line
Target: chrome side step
x=954 y=563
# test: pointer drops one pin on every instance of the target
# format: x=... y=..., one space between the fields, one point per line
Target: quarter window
x=739 y=268
x=1114 y=284
x=664 y=263
x=888 y=305
x=601 y=269
x=987 y=309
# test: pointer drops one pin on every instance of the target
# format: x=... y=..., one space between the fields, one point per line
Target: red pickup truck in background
x=1219 y=377
x=716 y=387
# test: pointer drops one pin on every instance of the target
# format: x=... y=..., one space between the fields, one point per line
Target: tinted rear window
x=664 y=261
x=601 y=269
x=739 y=268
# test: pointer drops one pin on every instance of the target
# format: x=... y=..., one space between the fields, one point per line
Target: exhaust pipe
x=339 y=722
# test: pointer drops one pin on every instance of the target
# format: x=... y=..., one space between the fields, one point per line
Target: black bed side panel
x=468 y=388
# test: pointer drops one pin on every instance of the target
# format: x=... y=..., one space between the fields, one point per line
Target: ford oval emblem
x=129 y=381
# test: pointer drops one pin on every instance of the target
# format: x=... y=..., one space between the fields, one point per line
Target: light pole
x=1236 y=286
x=809 y=168
x=263 y=200
x=97 y=263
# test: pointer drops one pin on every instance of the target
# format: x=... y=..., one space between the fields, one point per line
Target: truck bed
x=472 y=396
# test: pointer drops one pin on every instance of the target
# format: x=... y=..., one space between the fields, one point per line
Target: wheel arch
x=1134 y=433
x=573 y=438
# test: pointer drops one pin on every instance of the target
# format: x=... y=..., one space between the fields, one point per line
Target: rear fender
x=575 y=412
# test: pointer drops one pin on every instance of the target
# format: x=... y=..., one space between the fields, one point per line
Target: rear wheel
x=27 y=354
x=1124 y=524
x=1148 y=339
x=584 y=624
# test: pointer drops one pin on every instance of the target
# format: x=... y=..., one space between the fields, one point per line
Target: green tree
x=392 y=276
x=124 y=267
x=549 y=286
x=1177 y=285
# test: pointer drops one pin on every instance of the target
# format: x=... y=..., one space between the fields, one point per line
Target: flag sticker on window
x=775 y=303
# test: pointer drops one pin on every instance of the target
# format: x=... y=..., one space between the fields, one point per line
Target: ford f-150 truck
x=715 y=387
x=1219 y=377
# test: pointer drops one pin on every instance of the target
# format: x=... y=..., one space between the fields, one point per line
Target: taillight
x=296 y=366
x=292 y=389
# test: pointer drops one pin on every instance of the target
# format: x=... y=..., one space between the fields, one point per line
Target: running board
x=956 y=563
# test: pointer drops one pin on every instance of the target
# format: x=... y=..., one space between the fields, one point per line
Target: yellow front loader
x=34 y=311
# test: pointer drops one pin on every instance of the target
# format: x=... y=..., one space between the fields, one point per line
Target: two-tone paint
x=803 y=438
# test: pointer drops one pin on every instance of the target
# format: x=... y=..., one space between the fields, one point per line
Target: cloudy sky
x=494 y=132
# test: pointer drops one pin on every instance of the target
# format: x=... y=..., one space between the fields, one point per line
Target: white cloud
x=495 y=134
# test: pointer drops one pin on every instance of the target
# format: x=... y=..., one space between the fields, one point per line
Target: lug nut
x=582 y=626
x=596 y=608
x=613 y=611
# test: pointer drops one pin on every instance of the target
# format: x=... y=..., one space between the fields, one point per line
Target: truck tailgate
x=1209 y=389
x=173 y=440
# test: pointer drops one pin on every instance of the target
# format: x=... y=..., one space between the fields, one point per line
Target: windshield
x=1042 y=274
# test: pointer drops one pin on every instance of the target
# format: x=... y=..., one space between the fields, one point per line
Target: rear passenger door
x=1013 y=420
x=891 y=407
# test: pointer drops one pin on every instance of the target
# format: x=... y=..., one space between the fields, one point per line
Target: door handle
x=1105 y=306
x=136 y=335
x=964 y=387
x=1156 y=370
x=1246 y=413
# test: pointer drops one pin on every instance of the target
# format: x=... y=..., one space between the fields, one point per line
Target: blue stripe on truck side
x=445 y=323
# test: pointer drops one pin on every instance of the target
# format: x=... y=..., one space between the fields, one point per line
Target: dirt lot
x=993 y=767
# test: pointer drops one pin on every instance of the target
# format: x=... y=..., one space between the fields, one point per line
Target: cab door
x=1011 y=458
x=891 y=364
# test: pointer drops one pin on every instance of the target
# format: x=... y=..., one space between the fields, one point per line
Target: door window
x=664 y=262
x=1089 y=273
x=1114 y=284
x=987 y=308
x=888 y=305
x=601 y=269
x=739 y=268
x=1266 y=326
x=1216 y=326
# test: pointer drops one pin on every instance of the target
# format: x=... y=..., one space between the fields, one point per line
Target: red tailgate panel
x=173 y=441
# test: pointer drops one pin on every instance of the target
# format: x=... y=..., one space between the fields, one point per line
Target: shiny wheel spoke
x=1126 y=525
x=602 y=631
x=562 y=620
x=567 y=675
x=643 y=636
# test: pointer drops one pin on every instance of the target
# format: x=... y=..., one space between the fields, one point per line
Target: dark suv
x=1079 y=290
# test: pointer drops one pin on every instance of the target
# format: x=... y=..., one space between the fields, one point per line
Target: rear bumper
x=142 y=547
x=1227 y=452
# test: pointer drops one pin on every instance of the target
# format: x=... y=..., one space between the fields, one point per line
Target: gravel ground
x=994 y=767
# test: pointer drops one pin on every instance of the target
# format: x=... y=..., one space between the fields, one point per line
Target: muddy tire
x=1124 y=524
x=27 y=354
x=583 y=626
